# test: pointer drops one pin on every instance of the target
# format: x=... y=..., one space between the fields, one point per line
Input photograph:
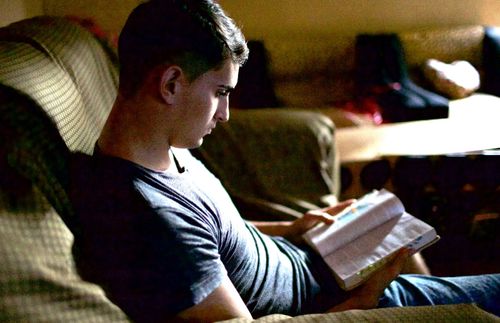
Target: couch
x=318 y=71
x=57 y=84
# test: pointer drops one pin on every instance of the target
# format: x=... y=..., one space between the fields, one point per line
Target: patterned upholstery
x=54 y=76
x=38 y=279
x=441 y=313
x=290 y=164
x=35 y=150
x=65 y=70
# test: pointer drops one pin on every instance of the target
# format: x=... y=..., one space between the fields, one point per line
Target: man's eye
x=222 y=93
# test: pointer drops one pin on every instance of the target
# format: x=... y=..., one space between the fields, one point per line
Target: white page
x=378 y=207
x=351 y=260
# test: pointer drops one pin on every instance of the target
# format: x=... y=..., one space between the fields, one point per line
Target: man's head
x=195 y=35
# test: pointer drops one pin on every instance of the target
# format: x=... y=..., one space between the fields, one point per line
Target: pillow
x=456 y=80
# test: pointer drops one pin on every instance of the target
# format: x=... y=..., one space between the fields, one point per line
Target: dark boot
x=398 y=72
x=381 y=70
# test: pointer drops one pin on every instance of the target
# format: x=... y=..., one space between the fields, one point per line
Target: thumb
x=396 y=264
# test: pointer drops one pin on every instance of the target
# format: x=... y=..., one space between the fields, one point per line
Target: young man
x=158 y=231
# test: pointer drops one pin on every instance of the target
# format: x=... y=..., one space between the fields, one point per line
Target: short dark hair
x=197 y=35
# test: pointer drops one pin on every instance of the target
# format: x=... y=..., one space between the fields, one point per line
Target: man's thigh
x=414 y=290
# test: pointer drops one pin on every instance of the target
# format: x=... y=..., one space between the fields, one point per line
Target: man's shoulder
x=120 y=184
x=99 y=167
x=99 y=179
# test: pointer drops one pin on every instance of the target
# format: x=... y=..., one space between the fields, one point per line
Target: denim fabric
x=413 y=290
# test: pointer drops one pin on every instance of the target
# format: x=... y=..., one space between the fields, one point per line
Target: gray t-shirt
x=160 y=242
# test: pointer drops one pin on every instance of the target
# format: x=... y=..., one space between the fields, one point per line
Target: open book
x=366 y=235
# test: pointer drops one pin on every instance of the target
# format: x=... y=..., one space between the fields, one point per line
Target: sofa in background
x=458 y=194
x=318 y=71
x=57 y=85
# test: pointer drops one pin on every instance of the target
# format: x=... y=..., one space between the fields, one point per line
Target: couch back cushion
x=63 y=68
x=316 y=70
x=57 y=86
x=38 y=279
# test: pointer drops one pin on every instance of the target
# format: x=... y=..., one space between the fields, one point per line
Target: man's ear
x=170 y=82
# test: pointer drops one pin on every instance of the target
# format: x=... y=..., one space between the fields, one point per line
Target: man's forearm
x=273 y=228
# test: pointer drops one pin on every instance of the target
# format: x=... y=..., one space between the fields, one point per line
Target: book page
x=365 y=214
x=354 y=262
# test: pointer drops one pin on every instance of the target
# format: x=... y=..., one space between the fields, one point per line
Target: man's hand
x=367 y=295
x=326 y=215
x=293 y=230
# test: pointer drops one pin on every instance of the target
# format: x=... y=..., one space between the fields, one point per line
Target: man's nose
x=223 y=110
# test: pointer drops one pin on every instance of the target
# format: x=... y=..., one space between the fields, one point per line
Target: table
x=473 y=126
x=446 y=171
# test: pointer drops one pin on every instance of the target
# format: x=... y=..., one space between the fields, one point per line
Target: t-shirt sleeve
x=191 y=253
x=154 y=265
x=184 y=264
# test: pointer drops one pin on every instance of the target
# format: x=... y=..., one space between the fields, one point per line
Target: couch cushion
x=289 y=158
x=42 y=94
x=65 y=70
x=35 y=150
x=38 y=279
x=438 y=313
x=446 y=44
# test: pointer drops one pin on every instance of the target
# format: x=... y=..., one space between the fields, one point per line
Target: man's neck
x=131 y=136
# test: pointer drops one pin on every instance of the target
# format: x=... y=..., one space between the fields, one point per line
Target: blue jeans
x=413 y=290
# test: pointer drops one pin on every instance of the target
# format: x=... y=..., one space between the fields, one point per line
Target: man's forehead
x=227 y=74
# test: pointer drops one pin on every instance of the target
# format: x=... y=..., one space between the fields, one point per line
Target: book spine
x=356 y=279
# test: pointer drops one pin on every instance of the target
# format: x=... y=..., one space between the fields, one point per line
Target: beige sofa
x=58 y=83
x=316 y=71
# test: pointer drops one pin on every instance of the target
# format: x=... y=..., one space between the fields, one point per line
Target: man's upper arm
x=223 y=303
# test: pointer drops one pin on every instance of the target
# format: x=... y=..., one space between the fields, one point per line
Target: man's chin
x=190 y=146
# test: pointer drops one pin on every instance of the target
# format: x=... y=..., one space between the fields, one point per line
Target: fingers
x=326 y=215
x=395 y=266
x=369 y=293
x=391 y=269
x=337 y=208
x=316 y=216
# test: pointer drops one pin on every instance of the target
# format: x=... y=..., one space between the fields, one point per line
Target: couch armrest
x=277 y=162
x=437 y=313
